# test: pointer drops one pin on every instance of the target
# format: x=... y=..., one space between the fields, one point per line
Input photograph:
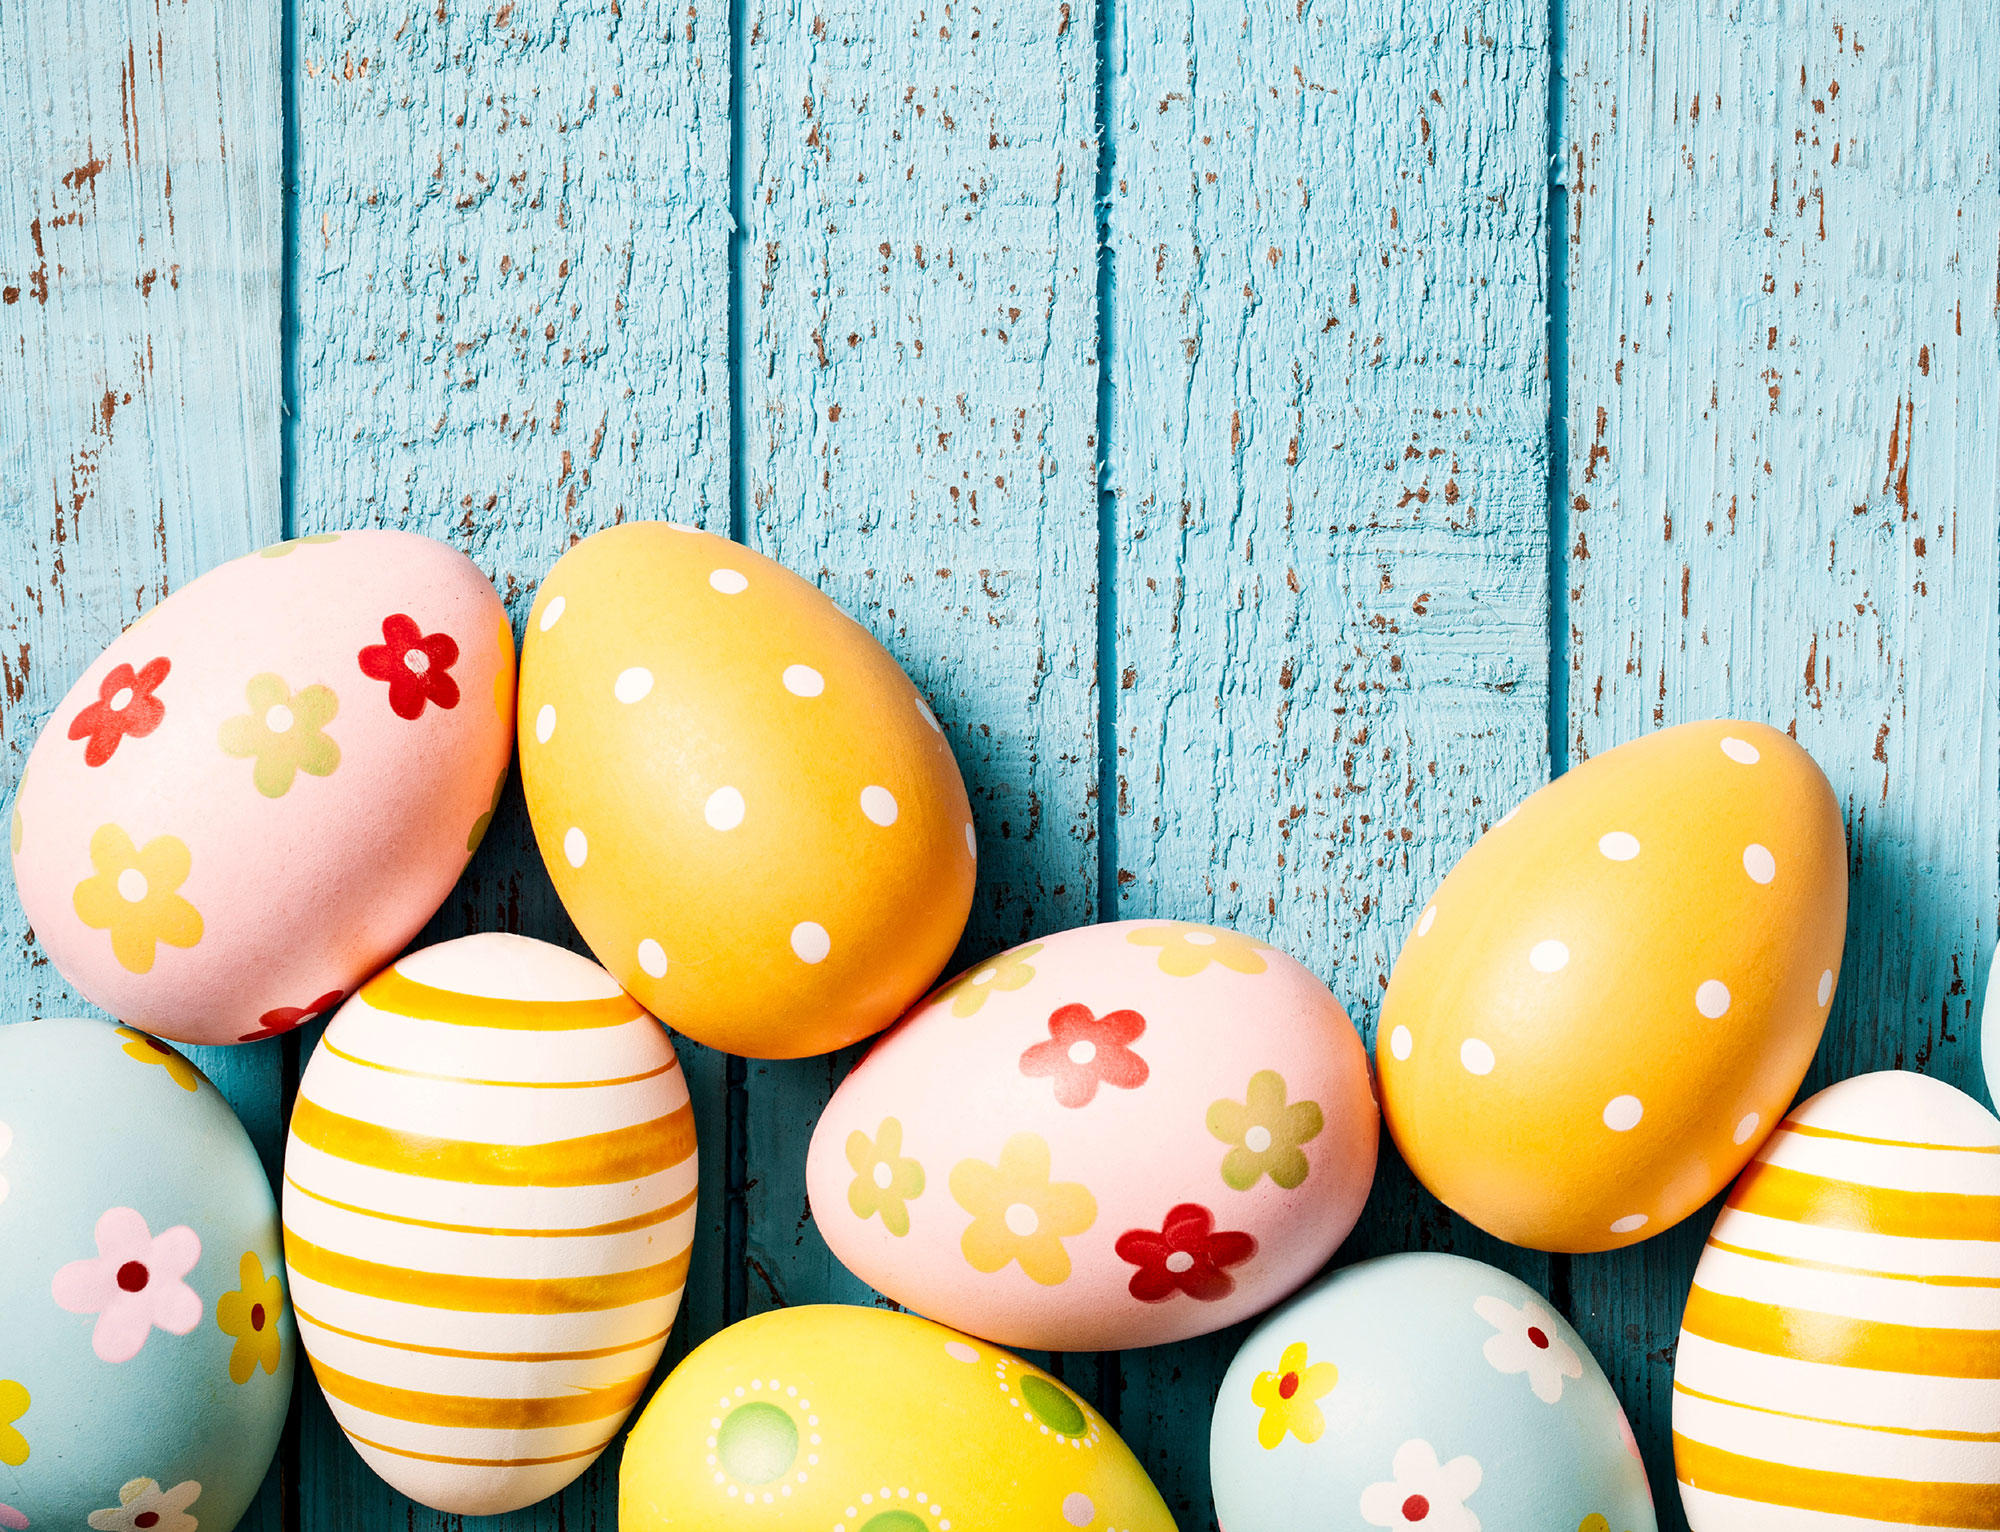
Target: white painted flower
x=144 y=1507
x=6 y=1143
x=1424 y=1493
x=1528 y=1340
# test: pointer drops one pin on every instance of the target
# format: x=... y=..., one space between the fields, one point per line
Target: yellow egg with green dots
x=840 y=1419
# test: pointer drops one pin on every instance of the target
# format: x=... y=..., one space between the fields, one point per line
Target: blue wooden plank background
x=1275 y=434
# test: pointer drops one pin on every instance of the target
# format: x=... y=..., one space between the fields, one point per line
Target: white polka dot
x=1548 y=956
x=971 y=841
x=1082 y=1051
x=1826 y=986
x=1476 y=1056
x=930 y=718
x=1429 y=919
x=729 y=581
x=1619 y=845
x=1400 y=1043
x=810 y=941
x=1747 y=1128
x=1740 y=751
x=1021 y=1219
x=279 y=719
x=1180 y=1260
x=1507 y=816
x=1759 y=863
x=545 y=722
x=1258 y=1139
x=552 y=613
x=652 y=957
x=131 y=885
x=1712 y=999
x=879 y=804
x=575 y=846
x=632 y=684
x=1631 y=1223
x=724 y=809
x=1622 y=1113
x=958 y=1351
x=804 y=681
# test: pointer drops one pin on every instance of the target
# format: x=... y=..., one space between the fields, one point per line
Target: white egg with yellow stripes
x=489 y=1201
x=1839 y=1360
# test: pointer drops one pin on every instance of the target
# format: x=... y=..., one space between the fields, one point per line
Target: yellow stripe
x=1892 y=1143
x=424 y=1074
x=1774 y=1191
x=483 y=1295
x=394 y=992
x=1805 y=1335
x=596 y=1159
x=439 y=1457
x=465 y=1412
x=485 y=1356
x=1850 y=1425
x=1920 y=1503
x=1853 y=1271
x=622 y=1226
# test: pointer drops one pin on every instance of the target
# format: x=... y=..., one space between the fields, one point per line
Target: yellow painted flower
x=282 y=731
x=1264 y=1133
x=503 y=674
x=251 y=1315
x=135 y=896
x=150 y=1050
x=13 y=1405
x=1009 y=971
x=1290 y=1397
x=883 y=1180
x=1018 y=1213
x=1186 y=950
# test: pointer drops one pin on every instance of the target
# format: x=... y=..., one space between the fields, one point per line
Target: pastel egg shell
x=750 y=813
x=1839 y=1360
x=146 y=1341
x=1110 y=1137
x=840 y=1419
x=1989 y=1030
x=260 y=792
x=1423 y=1391
x=489 y=1208
x=1616 y=992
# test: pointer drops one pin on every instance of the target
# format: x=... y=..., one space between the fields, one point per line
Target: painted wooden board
x=1784 y=482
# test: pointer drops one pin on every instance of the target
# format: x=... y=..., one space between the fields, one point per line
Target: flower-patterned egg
x=145 y=1336
x=259 y=793
x=833 y=1419
x=1425 y=1393
x=750 y=813
x=1615 y=994
x=1111 y=1137
x=1839 y=1359
x=489 y=1207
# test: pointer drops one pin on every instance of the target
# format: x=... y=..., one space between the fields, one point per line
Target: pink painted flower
x=12 y=1519
x=133 y=1284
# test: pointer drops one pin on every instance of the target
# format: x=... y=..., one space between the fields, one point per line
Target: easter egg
x=145 y=1337
x=1111 y=1137
x=1615 y=994
x=1839 y=1359
x=750 y=813
x=264 y=787
x=1427 y=1393
x=1989 y=1030
x=832 y=1419
x=489 y=1204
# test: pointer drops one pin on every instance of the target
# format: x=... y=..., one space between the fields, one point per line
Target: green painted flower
x=282 y=731
x=293 y=544
x=1264 y=1133
x=1185 y=950
x=883 y=1180
x=1009 y=971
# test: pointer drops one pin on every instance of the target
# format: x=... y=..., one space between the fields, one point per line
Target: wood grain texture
x=1784 y=319
x=1327 y=449
x=512 y=329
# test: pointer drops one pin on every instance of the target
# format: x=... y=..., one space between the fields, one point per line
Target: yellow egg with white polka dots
x=1612 y=998
x=752 y=816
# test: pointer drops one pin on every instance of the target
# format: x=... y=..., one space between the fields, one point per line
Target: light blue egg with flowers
x=146 y=1342
x=1423 y=1393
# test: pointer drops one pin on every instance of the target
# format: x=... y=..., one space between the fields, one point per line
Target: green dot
x=1053 y=1408
x=757 y=1442
x=894 y=1521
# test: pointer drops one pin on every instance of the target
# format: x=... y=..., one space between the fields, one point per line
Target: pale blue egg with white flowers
x=1423 y=1393
x=145 y=1339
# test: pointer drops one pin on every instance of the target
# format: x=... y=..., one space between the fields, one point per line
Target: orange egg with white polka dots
x=752 y=816
x=1612 y=998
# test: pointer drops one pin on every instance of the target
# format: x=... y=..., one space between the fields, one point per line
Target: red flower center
x=1537 y=1339
x=256 y=1316
x=1416 y=1508
x=1288 y=1385
x=133 y=1277
x=146 y=1519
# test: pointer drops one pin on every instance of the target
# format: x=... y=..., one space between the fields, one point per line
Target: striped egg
x=1839 y=1361
x=488 y=1206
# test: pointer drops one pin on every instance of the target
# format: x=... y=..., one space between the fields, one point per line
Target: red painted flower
x=1086 y=1051
x=1188 y=1255
x=417 y=666
x=125 y=707
x=285 y=1017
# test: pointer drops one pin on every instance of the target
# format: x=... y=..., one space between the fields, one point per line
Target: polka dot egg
x=1614 y=995
x=750 y=813
x=864 y=1420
